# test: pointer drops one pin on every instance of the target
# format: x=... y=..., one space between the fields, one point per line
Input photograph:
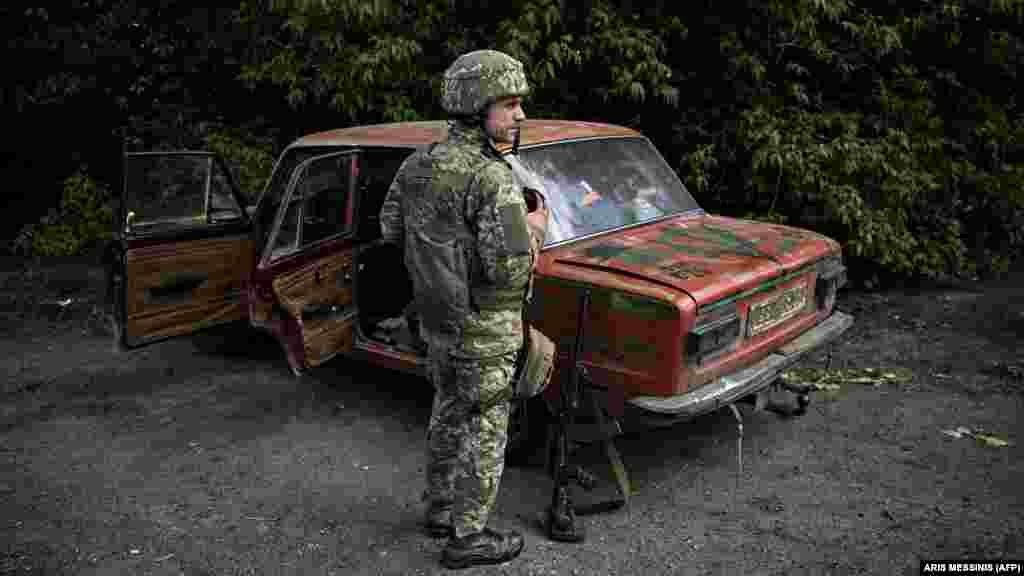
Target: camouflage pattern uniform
x=461 y=220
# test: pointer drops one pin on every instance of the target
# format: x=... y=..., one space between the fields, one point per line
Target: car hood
x=707 y=257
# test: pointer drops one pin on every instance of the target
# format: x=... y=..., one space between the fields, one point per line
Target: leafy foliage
x=347 y=54
x=857 y=121
x=252 y=159
x=84 y=220
x=893 y=126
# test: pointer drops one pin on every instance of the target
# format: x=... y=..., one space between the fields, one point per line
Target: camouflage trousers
x=467 y=433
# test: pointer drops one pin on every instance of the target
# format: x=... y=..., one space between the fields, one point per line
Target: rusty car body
x=690 y=311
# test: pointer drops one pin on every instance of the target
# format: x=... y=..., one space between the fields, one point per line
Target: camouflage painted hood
x=705 y=256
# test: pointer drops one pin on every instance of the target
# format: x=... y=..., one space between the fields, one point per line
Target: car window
x=268 y=204
x=287 y=240
x=377 y=169
x=319 y=206
x=284 y=168
x=170 y=190
x=223 y=205
x=596 y=185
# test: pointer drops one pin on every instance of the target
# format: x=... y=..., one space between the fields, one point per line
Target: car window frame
x=174 y=226
x=268 y=256
x=520 y=170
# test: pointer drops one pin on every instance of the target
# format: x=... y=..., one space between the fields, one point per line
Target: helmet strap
x=479 y=121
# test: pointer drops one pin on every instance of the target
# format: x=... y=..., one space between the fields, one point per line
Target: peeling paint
x=632 y=344
x=685 y=270
x=644 y=256
x=603 y=251
x=637 y=306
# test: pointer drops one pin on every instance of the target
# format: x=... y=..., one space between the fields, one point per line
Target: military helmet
x=477 y=79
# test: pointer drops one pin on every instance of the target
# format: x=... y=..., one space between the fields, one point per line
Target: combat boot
x=487 y=547
x=438 y=521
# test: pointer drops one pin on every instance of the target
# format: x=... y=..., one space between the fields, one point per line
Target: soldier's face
x=503 y=119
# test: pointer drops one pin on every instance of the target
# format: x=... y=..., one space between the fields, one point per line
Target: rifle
x=562 y=522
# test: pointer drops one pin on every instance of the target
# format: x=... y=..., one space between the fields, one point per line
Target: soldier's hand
x=533 y=199
x=537 y=219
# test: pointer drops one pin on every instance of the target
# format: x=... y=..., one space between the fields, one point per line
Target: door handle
x=344 y=277
x=312 y=311
x=175 y=288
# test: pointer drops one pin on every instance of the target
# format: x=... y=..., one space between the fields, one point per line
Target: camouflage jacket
x=461 y=220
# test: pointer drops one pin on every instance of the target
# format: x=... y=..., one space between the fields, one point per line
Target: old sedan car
x=689 y=312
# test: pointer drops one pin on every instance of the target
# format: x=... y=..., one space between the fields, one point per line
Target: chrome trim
x=732 y=387
x=570 y=140
x=693 y=211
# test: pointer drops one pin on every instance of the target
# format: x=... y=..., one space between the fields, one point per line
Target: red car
x=689 y=311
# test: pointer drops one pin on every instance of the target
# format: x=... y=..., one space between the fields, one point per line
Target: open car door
x=307 y=262
x=182 y=253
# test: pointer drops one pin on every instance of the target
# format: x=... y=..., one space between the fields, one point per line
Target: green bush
x=898 y=132
x=251 y=160
x=896 y=128
x=84 y=219
x=82 y=222
x=868 y=190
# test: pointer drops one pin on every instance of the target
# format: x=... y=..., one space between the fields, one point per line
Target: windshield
x=597 y=185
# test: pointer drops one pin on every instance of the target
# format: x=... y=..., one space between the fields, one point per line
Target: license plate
x=769 y=313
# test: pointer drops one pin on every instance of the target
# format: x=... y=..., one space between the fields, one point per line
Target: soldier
x=470 y=248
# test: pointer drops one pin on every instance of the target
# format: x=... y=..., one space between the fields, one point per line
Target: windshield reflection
x=598 y=185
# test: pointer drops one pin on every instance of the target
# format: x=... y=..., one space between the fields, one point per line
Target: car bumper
x=749 y=380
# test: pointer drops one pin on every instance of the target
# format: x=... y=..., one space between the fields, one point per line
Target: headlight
x=714 y=332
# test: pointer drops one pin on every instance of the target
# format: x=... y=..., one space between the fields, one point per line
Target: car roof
x=412 y=134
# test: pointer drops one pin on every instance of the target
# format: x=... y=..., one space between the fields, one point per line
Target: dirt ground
x=204 y=455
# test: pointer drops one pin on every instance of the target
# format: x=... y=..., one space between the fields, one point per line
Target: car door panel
x=183 y=250
x=180 y=288
x=319 y=299
x=307 y=263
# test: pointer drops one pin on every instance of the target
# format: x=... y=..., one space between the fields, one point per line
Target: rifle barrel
x=577 y=350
